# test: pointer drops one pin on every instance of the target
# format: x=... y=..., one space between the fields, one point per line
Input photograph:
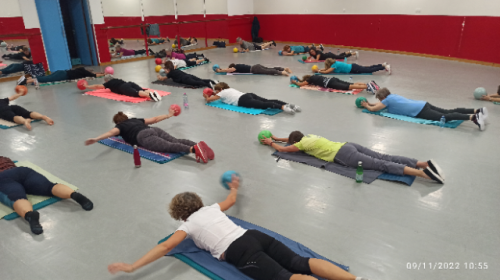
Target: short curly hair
x=184 y=204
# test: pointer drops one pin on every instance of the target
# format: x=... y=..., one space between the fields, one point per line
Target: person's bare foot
x=288 y=70
x=48 y=120
x=27 y=124
x=285 y=73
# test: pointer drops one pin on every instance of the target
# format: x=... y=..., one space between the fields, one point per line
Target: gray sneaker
x=295 y=108
x=288 y=109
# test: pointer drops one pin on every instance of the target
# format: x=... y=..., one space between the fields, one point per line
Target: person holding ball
x=350 y=154
x=17 y=114
x=138 y=132
x=121 y=87
x=492 y=97
x=213 y=231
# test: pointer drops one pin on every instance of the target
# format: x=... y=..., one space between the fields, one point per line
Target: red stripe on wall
x=435 y=35
x=11 y=25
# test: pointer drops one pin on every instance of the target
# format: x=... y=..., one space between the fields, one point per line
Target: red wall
x=11 y=25
x=435 y=35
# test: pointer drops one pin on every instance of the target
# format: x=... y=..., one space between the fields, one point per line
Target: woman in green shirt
x=350 y=154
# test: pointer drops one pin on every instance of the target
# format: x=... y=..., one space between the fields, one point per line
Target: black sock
x=83 y=201
x=33 y=218
x=474 y=118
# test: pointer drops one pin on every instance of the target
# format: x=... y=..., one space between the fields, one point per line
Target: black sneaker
x=207 y=60
x=375 y=85
x=478 y=119
x=274 y=43
x=369 y=87
x=435 y=168
x=321 y=47
x=21 y=81
x=433 y=176
x=151 y=52
x=154 y=96
x=33 y=218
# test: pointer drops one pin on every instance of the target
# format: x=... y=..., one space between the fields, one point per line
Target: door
x=83 y=32
x=53 y=34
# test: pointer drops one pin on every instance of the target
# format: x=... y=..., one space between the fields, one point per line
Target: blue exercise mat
x=185 y=68
x=383 y=113
x=251 y=111
x=16 y=125
x=332 y=73
x=205 y=263
x=120 y=144
x=239 y=74
x=368 y=175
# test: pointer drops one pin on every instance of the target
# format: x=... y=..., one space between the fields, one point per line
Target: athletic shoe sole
x=480 y=122
x=200 y=153
x=433 y=176
x=210 y=152
x=370 y=88
x=434 y=167
x=377 y=87
x=154 y=96
x=158 y=96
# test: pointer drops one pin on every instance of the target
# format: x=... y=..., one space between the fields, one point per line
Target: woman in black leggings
x=234 y=97
x=400 y=105
x=131 y=89
x=252 y=252
x=333 y=83
x=17 y=182
x=334 y=66
x=19 y=115
x=184 y=78
x=64 y=75
x=316 y=55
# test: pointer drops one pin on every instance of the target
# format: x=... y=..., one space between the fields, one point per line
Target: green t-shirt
x=319 y=147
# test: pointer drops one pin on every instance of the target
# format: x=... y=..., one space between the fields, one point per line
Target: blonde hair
x=329 y=62
x=183 y=205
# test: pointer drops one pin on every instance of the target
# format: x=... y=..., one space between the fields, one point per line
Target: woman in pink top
x=182 y=56
x=254 y=253
x=119 y=52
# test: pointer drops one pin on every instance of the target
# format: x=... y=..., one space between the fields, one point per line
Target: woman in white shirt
x=234 y=97
x=256 y=254
x=181 y=63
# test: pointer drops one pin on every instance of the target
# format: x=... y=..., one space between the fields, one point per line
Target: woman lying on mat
x=184 y=42
x=64 y=75
x=138 y=132
x=334 y=66
x=296 y=50
x=350 y=154
x=254 y=69
x=181 y=63
x=19 y=115
x=131 y=89
x=23 y=54
x=113 y=42
x=248 y=46
x=334 y=83
x=119 y=52
x=234 y=97
x=184 y=78
x=489 y=97
x=17 y=182
x=252 y=252
x=157 y=41
x=181 y=55
x=316 y=55
x=12 y=68
x=397 y=104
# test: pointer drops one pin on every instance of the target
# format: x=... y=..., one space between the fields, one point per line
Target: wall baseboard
x=400 y=52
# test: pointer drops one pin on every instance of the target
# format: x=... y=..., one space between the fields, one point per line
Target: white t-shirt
x=230 y=96
x=211 y=230
x=178 y=63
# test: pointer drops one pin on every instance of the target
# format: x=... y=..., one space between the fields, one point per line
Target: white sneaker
x=154 y=96
x=480 y=122
x=157 y=95
x=388 y=69
x=357 y=54
x=212 y=85
x=288 y=109
x=21 y=80
x=484 y=112
x=384 y=64
x=295 y=108
x=37 y=85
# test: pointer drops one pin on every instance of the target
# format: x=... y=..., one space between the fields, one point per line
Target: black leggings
x=79 y=73
x=138 y=52
x=189 y=63
x=433 y=113
x=18 y=56
x=358 y=69
x=9 y=112
x=335 y=56
x=259 y=256
x=251 y=100
x=191 y=80
x=130 y=89
x=338 y=84
x=191 y=55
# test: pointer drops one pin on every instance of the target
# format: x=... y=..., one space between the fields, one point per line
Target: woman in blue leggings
x=17 y=182
x=64 y=75
x=12 y=68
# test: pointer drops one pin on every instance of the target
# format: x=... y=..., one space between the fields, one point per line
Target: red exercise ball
x=23 y=90
x=176 y=108
x=158 y=61
x=81 y=84
x=208 y=91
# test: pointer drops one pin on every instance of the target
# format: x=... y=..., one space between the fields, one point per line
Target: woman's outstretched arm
x=15 y=96
x=211 y=98
x=377 y=107
x=326 y=70
x=94 y=87
x=284 y=140
x=231 y=197
x=159 y=118
x=287 y=149
x=113 y=132
x=227 y=70
x=300 y=84
x=157 y=252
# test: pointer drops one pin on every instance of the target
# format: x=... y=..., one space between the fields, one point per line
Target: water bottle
x=185 y=101
x=359 y=173
x=442 y=122
x=137 y=157
x=350 y=79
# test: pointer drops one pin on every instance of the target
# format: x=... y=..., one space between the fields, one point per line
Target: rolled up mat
x=251 y=111
x=383 y=113
x=205 y=263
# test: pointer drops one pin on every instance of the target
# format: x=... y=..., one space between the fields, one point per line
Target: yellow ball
x=158 y=68
x=173 y=46
x=314 y=67
x=235 y=50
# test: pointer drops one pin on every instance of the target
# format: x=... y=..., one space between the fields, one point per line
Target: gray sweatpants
x=260 y=69
x=157 y=140
x=351 y=153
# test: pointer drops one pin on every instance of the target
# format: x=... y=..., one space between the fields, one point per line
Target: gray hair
x=238 y=39
x=108 y=77
x=382 y=93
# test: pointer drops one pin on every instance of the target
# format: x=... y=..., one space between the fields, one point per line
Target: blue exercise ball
x=215 y=67
x=162 y=73
x=294 y=78
x=227 y=177
x=479 y=92
x=280 y=52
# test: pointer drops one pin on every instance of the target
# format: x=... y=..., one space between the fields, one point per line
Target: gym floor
x=376 y=229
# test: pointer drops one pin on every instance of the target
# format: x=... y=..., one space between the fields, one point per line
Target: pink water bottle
x=137 y=157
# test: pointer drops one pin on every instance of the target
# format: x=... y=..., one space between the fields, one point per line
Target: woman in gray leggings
x=138 y=132
x=350 y=154
x=254 y=69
